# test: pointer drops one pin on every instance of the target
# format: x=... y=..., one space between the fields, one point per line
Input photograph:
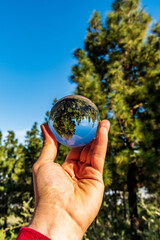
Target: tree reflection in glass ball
x=74 y=120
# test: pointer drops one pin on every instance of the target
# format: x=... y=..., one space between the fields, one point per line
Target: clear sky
x=37 y=40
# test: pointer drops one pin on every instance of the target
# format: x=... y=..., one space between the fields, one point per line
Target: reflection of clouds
x=74 y=139
x=85 y=128
x=84 y=122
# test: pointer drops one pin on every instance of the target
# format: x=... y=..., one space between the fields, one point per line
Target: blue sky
x=37 y=40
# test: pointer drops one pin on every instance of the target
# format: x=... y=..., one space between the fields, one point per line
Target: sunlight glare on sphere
x=74 y=120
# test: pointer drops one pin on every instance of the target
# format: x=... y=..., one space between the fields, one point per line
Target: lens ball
x=74 y=120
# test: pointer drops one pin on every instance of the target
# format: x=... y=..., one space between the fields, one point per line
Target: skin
x=68 y=197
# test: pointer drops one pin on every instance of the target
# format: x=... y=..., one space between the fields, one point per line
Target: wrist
x=55 y=223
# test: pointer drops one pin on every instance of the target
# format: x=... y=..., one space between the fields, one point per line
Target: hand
x=68 y=197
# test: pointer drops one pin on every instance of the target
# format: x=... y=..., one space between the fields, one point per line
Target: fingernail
x=105 y=124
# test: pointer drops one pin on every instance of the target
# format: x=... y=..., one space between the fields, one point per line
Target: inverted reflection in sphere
x=74 y=120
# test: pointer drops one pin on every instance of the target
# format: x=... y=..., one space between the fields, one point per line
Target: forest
x=119 y=70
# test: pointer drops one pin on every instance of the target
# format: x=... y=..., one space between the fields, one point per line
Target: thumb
x=49 y=150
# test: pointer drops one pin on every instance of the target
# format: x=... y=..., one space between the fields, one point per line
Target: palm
x=77 y=184
x=87 y=187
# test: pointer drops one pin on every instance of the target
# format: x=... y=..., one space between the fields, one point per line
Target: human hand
x=68 y=197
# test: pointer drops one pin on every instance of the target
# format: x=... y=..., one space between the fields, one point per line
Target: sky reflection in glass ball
x=74 y=121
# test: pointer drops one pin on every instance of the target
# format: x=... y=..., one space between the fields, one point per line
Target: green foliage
x=11 y=231
x=149 y=215
x=119 y=70
x=2 y=234
x=32 y=149
x=11 y=156
x=16 y=186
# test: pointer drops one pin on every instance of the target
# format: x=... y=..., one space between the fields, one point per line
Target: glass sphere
x=74 y=120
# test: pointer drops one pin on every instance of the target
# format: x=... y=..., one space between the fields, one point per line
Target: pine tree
x=118 y=69
x=150 y=150
x=10 y=154
x=32 y=149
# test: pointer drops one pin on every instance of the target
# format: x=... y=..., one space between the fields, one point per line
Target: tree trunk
x=124 y=204
x=159 y=226
x=115 y=209
x=132 y=196
x=5 y=211
x=115 y=204
x=5 y=222
x=158 y=205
